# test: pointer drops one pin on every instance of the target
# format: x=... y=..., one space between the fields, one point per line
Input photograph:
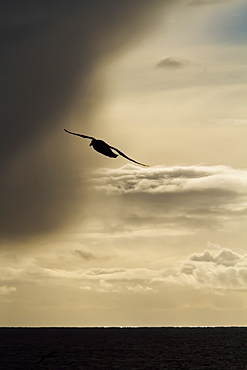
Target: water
x=124 y=348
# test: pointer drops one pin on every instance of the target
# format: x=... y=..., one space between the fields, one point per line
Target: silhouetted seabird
x=48 y=355
x=103 y=148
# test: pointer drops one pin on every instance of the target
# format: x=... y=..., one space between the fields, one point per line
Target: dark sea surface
x=123 y=348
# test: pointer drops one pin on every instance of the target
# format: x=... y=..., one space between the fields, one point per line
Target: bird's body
x=102 y=147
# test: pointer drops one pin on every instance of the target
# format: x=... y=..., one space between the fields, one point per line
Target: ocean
x=124 y=348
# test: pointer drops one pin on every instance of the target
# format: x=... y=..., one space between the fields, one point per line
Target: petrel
x=47 y=355
x=103 y=148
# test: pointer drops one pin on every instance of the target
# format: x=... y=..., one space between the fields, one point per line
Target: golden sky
x=91 y=241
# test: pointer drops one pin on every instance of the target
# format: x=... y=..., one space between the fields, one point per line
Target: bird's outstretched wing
x=125 y=156
x=84 y=136
x=48 y=355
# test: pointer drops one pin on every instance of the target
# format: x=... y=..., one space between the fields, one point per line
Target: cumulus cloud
x=172 y=63
x=51 y=57
x=225 y=257
x=225 y=269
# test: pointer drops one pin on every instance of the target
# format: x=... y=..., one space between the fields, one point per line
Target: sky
x=87 y=240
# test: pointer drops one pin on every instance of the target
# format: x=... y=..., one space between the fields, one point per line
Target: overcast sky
x=87 y=240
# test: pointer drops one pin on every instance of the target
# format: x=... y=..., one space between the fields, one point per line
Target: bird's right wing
x=125 y=156
x=84 y=136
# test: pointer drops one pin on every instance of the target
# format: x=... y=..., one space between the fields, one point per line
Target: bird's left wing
x=84 y=136
x=125 y=156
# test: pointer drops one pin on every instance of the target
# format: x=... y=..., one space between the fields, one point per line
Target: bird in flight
x=47 y=355
x=103 y=148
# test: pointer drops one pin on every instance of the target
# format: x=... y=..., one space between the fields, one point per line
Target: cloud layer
x=182 y=199
x=197 y=280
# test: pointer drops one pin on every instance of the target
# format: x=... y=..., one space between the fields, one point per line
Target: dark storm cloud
x=172 y=63
x=49 y=52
